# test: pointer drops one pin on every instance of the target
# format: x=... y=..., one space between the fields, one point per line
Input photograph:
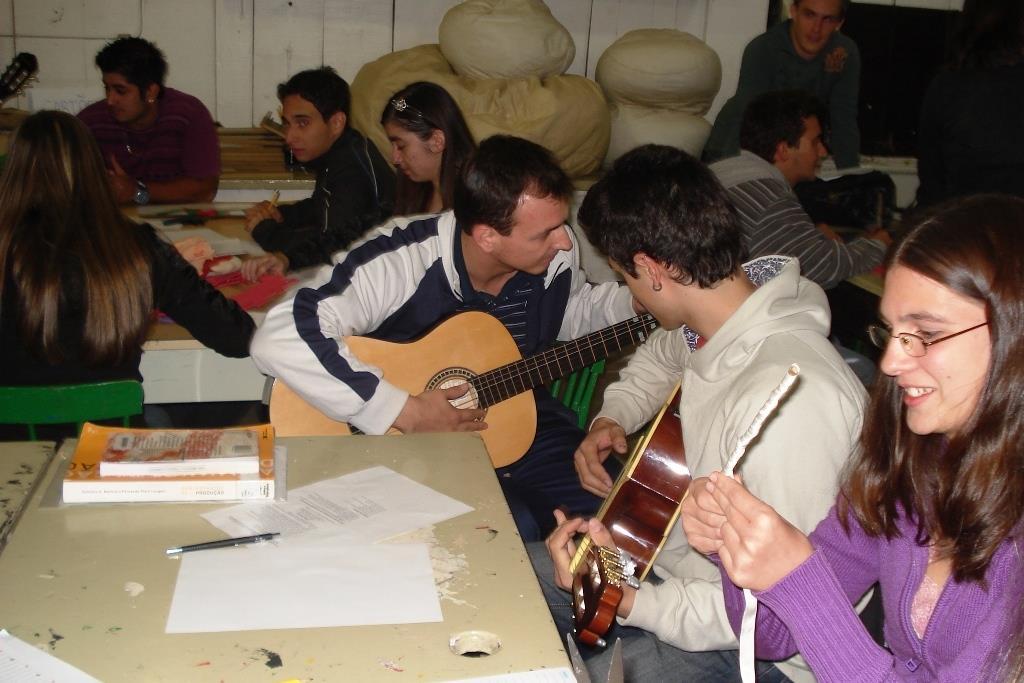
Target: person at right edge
x=971 y=139
x=932 y=505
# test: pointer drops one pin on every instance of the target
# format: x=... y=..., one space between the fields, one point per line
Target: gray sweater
x=775 y=223
x=795 y=463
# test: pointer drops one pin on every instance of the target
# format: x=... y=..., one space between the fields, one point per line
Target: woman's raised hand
x=758 y=546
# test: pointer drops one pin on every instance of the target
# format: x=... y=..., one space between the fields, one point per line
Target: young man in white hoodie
x=730 y=331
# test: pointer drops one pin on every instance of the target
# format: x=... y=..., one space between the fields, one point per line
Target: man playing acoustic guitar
x=729 y=333
x=505 y=250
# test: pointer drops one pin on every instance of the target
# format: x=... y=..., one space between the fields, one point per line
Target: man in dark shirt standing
x=355 y=186
x=159 y=144
x=781 y=140
x=805 y=53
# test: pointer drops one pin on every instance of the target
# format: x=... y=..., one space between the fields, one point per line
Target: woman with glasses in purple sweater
x=931 y=506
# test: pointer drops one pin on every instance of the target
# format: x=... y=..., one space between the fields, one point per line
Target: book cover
x=171 y=452
x=83 y=482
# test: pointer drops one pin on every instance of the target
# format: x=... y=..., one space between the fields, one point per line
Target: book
x=172 y=452
x=83 y=482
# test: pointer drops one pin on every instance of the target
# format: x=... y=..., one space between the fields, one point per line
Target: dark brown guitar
x=640 y=510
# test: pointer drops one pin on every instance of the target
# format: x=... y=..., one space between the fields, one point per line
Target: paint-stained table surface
x=21 y=466
x=91 y=583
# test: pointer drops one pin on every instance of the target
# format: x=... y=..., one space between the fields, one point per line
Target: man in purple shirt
x=160 y=145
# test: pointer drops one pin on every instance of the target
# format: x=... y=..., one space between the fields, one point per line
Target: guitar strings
x=506 y=376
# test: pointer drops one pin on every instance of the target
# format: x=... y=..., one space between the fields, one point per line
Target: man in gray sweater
x=729 y=332
x=781 y=141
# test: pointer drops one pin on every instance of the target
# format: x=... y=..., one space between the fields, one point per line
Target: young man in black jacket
x=355 y=186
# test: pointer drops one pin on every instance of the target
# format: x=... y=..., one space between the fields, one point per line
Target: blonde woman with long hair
x=80 y=282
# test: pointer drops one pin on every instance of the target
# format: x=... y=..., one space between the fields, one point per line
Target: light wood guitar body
x=473 y=347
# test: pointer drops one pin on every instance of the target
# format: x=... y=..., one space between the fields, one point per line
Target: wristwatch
x=141 y=193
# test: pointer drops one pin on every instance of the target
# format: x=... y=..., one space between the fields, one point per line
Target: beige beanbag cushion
x=505 y=39
x=660 y=68
x=566 y=114
x=633 y=126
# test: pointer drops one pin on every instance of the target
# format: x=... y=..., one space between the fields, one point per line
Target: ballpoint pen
x=223 y=543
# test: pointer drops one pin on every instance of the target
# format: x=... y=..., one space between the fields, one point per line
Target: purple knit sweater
x=810 y=610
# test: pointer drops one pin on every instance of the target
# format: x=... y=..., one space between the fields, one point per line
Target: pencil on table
x=274 y=197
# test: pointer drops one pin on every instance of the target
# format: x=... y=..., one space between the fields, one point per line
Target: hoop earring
x=656 y=286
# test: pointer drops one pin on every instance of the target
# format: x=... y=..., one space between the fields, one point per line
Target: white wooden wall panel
x=185 y=32
x=288 y=36
x=234 y=55
x=731 y=24
x=6 y=53
x=932 y=4
x=575 y=15
x=356 y=32
x=68 y=77
x=77 y=18
x=416 y=21
x=6 y=17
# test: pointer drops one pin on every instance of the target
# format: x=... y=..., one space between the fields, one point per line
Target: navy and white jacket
x=395 y=284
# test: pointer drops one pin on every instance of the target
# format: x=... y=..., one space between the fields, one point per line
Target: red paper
x=263 y=292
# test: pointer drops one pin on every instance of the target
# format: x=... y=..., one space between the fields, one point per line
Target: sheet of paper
x=222 y=246
x=22 y=663
x=303 y=583
x=363 y=507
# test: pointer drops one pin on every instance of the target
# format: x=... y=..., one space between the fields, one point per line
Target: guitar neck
x=514 y=378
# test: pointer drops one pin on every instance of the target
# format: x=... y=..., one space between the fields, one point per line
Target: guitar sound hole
x=452 y=377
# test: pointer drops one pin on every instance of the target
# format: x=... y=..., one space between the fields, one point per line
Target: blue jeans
x=545 y=478
x=644 y=656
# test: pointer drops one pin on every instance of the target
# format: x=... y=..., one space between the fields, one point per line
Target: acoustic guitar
x=639 y=512
x=473 y=348
x=17 y=75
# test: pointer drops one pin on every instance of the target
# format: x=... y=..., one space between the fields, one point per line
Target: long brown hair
x=965 y=491
x=55 y=201
x=426 y=107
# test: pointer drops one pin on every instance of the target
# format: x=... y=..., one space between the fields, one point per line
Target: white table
x=63 y=576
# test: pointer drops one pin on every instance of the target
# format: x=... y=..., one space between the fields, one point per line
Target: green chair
x=67 y=403
x=576 y=391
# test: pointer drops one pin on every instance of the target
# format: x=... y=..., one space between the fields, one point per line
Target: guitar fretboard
x=509 y=380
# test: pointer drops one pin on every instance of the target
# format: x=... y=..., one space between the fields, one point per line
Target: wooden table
x=63 y=577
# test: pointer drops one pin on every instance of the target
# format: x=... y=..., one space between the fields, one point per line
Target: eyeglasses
x=911 y=344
